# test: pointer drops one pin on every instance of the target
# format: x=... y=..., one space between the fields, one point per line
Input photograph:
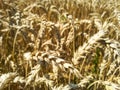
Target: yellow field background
x=59 y=45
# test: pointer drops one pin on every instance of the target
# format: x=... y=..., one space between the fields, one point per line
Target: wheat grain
x=6 y=79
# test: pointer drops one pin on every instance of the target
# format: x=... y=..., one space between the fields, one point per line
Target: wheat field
x=59 y=45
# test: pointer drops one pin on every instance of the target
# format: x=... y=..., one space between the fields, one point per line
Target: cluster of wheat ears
x=59 y=45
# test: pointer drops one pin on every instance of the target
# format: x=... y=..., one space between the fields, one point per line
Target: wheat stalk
x=6 y=79
x=88 y=47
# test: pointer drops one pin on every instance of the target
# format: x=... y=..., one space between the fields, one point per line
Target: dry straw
x=59 y=44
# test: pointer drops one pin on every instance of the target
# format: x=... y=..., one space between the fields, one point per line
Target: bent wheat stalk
x=88 y=47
